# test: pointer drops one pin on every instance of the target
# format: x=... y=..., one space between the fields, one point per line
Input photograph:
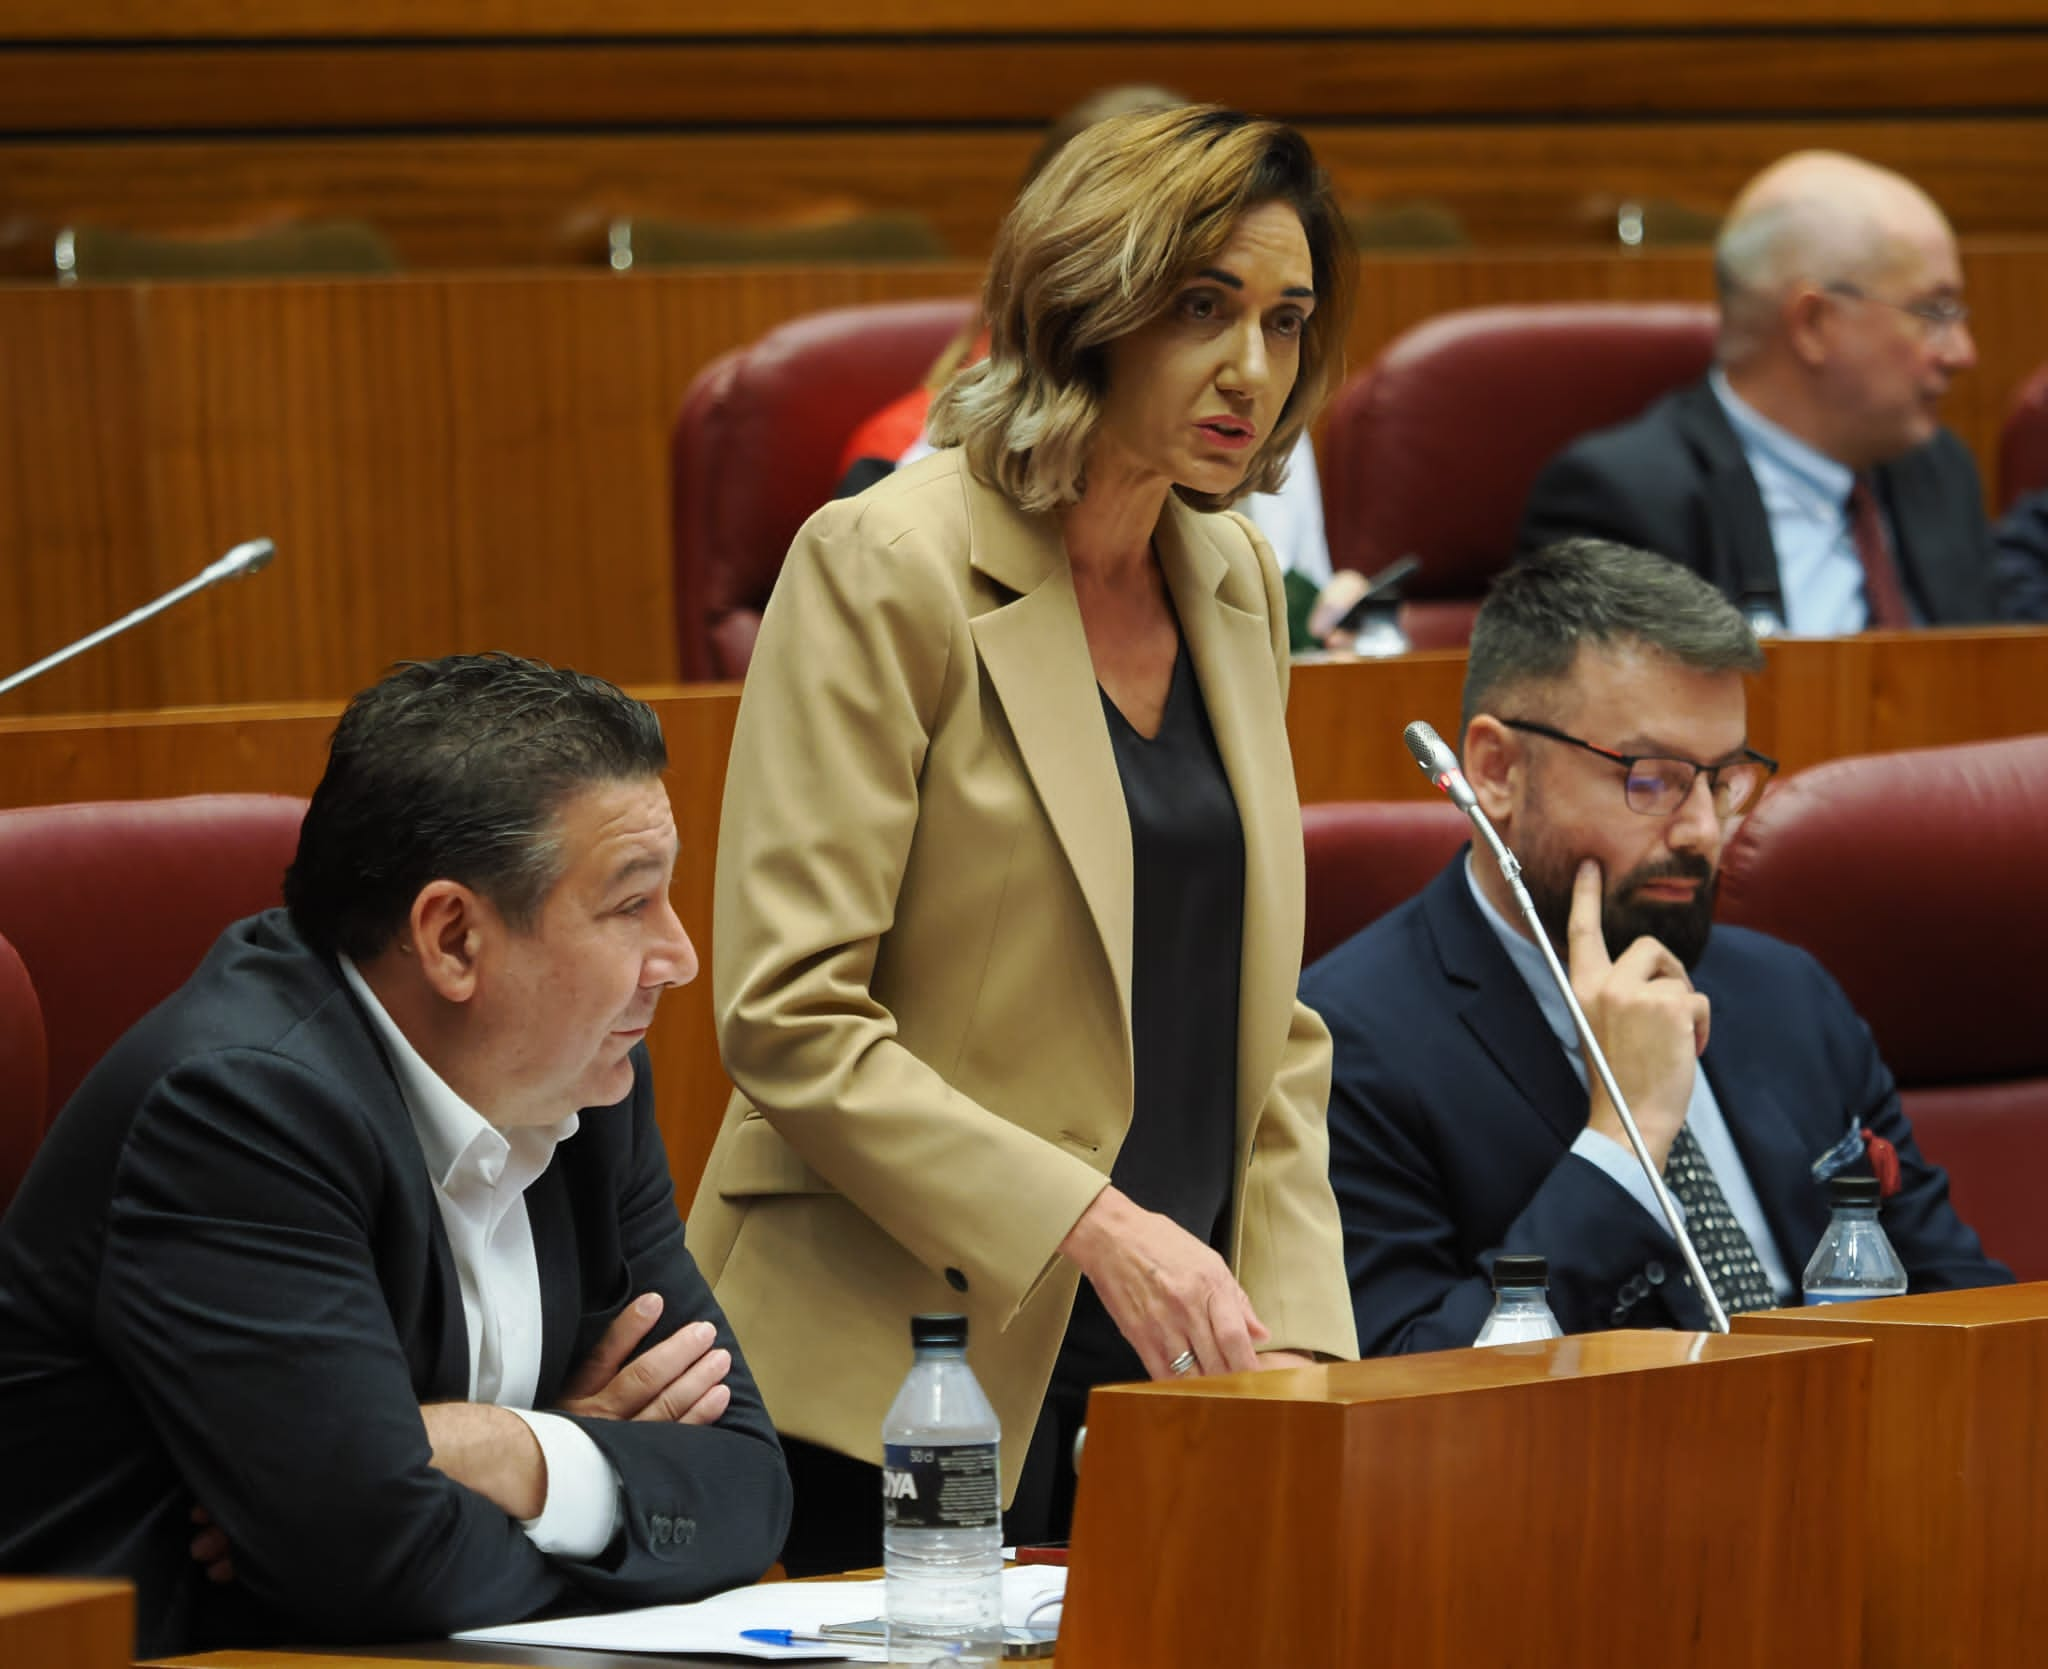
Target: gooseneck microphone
x=249 y=557
x=1440 y=765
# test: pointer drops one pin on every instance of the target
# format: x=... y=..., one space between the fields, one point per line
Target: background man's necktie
x=1881 y=588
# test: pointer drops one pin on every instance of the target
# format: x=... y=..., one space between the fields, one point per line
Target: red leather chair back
x=23 y=1072
x=112 y=905
x=756 y=449
x=2023 y=443
x=1915 y=879
x=1366 y=856
x=1432 y=449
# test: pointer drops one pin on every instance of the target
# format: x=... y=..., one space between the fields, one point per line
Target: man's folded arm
x=701 y=1507
x=240 y=1296
x=1412 y=1288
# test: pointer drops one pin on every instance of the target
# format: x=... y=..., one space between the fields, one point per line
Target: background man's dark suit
x=1675 y=481
x=252 y=1295
x=1453 y=1110
x=2023 y=557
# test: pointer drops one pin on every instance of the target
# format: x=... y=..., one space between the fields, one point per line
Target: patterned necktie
x=1731 y=1261
x=1882 y=592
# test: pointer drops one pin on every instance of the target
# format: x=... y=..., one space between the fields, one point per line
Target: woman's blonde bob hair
x=1095 y=248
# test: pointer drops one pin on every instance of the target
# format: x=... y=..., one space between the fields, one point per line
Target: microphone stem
x=1511 y=871
x=92 y=640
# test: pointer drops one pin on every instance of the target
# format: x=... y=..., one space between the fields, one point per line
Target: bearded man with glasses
x=1606 y=736
x=1808 y=475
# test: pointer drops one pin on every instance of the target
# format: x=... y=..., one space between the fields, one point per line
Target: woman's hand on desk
x=1164 y=1289
x=682 y=1379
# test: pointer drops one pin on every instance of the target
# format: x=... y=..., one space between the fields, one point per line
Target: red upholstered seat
x=2023 y=443
x=1431 y=450
x=1366 y=856
x=112 y=905
x=23 y=1072
x=756 y=449
x=1915 y=879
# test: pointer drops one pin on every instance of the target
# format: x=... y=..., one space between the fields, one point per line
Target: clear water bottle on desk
x=1521 y=1311
x=1854 y=1259
x=942 y=1525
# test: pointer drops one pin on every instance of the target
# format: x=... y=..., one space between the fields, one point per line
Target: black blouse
x=1187 y=952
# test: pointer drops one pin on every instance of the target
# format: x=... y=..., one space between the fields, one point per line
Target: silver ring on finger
x=1182 y=1364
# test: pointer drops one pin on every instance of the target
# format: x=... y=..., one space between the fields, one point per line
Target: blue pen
x=792 y=1637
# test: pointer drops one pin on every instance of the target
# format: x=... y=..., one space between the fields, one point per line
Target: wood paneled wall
x=1816 y=700
x=506 y=132
x=194 y=20
x=525 y=199
x=470 y=462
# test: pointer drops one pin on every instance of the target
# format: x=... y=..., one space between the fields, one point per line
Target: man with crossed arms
x=352 y=1279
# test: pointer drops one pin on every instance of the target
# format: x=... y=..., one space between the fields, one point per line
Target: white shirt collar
x=1829 y=480
x=1527 y=958
x=458 y=1141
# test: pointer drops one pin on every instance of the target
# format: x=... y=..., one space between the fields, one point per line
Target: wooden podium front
x=1615 y=1499
x=78 y=1625
x=1958 y=1518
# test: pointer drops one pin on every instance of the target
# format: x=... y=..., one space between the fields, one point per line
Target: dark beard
x=1682 y=929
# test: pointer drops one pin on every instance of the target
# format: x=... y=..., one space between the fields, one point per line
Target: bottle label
x=941 y=1486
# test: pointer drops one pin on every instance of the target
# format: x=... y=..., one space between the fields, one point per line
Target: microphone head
x=252 y=556
x=249 y=557
x=1428 y=749
x=1438 y=763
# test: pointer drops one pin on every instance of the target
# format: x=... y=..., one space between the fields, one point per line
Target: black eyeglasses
x=1657 y=785
x=1937 y=315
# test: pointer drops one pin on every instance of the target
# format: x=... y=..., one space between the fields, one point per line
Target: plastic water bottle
x=1854 y=1260
x=1521 y=1314
x=942 y=1525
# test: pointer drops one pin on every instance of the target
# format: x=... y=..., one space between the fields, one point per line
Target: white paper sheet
x=714 y=1625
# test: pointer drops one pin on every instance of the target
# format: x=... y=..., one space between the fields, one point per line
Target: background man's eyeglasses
x=1936 y=314
x=1657 y=785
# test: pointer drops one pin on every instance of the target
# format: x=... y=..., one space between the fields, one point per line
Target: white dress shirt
x=1702 y=1114
x=1806 y=499
x=480 y=1176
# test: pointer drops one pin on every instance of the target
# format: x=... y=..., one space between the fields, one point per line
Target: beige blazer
x=921 y=961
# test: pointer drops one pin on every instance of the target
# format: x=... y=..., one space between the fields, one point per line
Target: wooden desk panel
x=482 y=462
x=78 y=1625
x=444 y=464
x=1958 y=1516
x=1628 y=1497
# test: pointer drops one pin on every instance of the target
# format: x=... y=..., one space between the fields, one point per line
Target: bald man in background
x=1808 y=475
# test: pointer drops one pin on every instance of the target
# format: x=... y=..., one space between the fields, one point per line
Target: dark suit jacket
x=1453 y=1111
x=1675 y=481
x=2023 y=557
x=225 y=1280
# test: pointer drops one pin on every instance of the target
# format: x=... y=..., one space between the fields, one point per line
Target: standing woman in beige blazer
x=1009 y=899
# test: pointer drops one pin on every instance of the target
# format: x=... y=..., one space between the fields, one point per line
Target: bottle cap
x=1520 y=1269
x=1854 y=1190
x=938 y=1332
